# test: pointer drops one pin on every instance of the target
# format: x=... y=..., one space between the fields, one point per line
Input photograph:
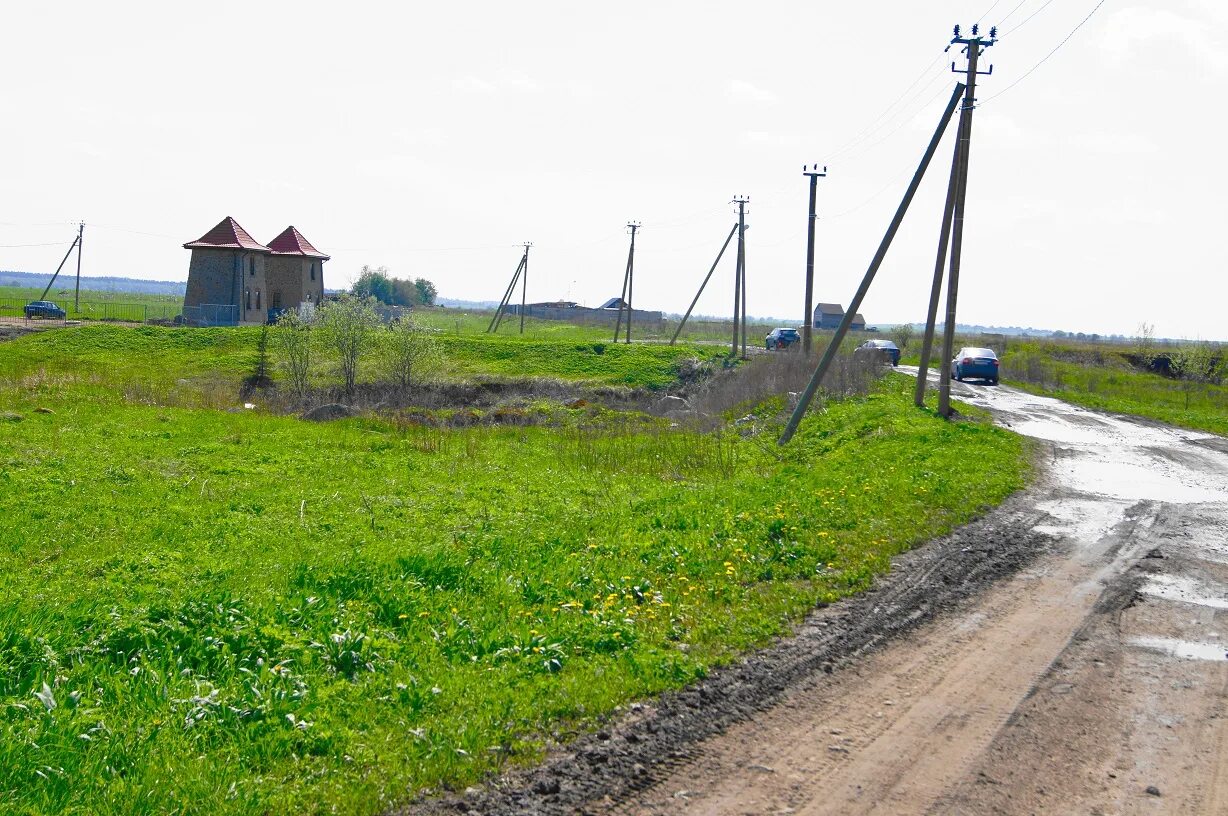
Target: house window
x=257 y=299
x=308 y=297
x=251 y=265
x=247 y=299
x=276 y=303
x=313 y=270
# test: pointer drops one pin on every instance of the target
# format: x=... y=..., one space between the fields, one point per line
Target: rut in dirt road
x=1066 y=654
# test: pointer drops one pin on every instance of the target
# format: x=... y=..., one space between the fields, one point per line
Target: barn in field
x=829 y=315
x=234 y=279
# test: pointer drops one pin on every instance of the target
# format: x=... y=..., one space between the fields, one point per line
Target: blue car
x=781 y=338
x=976 y=364
x=882 y=350
x=44 y=308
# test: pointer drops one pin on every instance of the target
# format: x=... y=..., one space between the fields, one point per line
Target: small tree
x=347 y=325
x=1145 y=343
x=412 y=353
x=1192 y=364
x=427 y=293
x=292 y=339
x=902 y=335
x=375 y=283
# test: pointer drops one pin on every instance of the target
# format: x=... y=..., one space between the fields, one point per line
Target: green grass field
x=1104 y=380
x=94 y=304
x=220 y=611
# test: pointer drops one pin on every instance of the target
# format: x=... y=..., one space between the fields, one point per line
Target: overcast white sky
x=433 y=138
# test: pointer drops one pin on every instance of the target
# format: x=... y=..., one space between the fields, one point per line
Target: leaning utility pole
x=808 y=323
x=739 y=282
x=972 y=46
x=833 y=345
x=707 y=278
x=76 y=243
x=76 y=298
x=940 y=264
x=628 y=285
x=501 y=312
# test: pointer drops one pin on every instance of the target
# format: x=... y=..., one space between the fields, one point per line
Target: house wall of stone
x=255 y=307
x=297 y=279
x=213 y=278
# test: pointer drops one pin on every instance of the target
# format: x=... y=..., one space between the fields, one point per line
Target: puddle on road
x=1086 y=520
x=1186 y=649
x=1186 y=590
x=1144 y=478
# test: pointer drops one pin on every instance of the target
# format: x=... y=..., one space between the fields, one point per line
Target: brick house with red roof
x=294 y=271
x=235 y=279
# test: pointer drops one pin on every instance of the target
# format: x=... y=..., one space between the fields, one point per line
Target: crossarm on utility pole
x=834 y=346
x=707 y=278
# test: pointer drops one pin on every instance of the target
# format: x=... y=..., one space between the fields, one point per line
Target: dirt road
x=1066 y=655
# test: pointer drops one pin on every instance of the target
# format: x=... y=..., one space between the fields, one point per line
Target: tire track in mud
x=652 y=741
x=1010 y=667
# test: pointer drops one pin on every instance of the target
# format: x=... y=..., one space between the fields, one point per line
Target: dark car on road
x=781 y=338
x=44 y=308
x=884 y=350
x=976 y=364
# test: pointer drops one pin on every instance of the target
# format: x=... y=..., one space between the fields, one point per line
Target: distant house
x=235 y=279
x=613 y=303
x=829 y=316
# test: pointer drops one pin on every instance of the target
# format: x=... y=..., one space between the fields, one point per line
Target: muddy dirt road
x=1066 y=655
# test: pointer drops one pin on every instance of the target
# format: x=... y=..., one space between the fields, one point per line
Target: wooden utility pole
x=76 y=298
x=739 y=282
x=972 y=46
x=524 y=285
x=808 y=323
x=833 y=345
x=628 y=284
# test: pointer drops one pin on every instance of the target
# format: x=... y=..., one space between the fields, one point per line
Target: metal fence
x=97 y=310
x=211 y=314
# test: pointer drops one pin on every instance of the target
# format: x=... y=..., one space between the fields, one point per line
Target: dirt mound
x=329 y=412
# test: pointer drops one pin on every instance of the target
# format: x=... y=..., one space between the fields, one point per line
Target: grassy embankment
x=206 y=611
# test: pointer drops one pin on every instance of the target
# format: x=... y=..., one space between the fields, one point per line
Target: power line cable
x=1047 y=56
x=866 y=131
x=1028 y=18
x=1011 y=13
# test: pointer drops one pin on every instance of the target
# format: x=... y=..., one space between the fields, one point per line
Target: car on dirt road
x=882 y=350
x=781 y=338
x=977 y=364
x=45 y=309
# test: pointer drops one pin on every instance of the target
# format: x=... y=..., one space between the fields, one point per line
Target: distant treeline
x=96 y=284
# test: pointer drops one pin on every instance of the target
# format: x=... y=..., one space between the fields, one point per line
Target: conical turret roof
x=292 y=242
x=228 y=234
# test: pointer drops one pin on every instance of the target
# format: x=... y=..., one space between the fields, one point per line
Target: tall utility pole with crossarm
x=628 y=284
x=808 y=322
x=739 y=280
x=973 y=46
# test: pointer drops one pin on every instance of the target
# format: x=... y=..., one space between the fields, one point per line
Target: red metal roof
x=227 y=235
x=292 y=242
